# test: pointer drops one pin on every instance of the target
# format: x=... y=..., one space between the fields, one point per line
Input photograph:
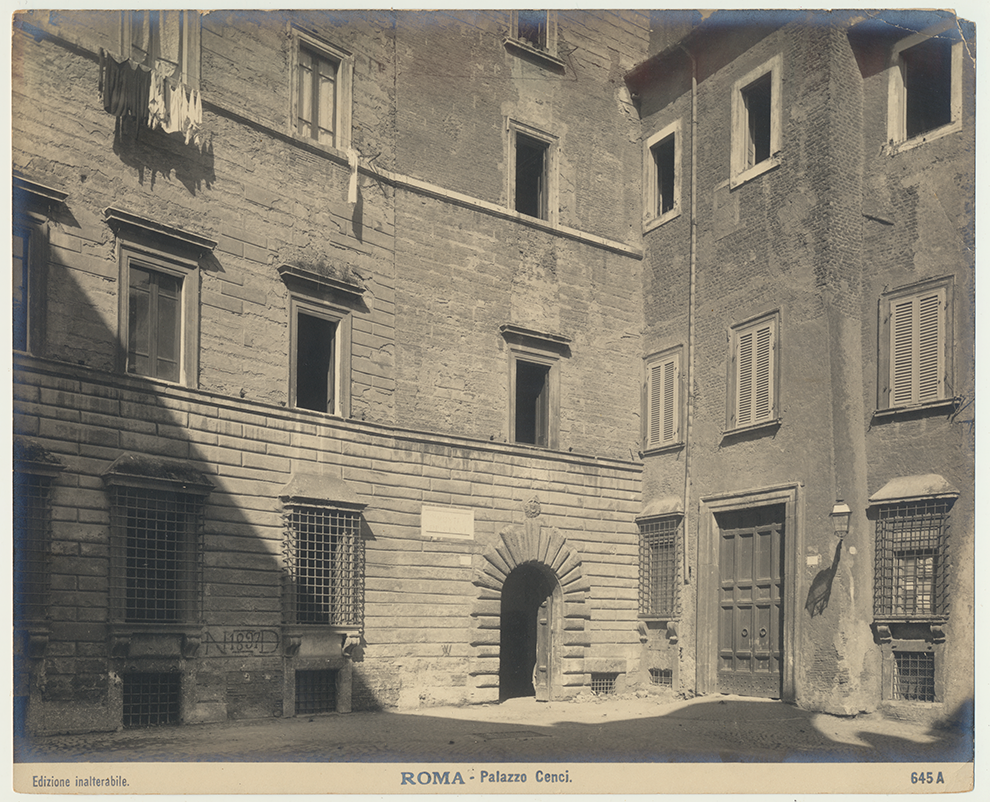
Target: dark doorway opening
x=526 y=627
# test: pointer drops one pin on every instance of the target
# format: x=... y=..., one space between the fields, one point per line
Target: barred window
x=32 y=534
x=157 y=555
x=325 y=561
x=914 y=676
x=316 y=691
x=658 y=566
x=911 y=571
x=151 y=698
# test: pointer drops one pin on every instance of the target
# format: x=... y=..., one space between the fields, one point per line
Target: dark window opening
x=662 y=677
x=658 y=567
x=910 y=577
x=532 y=403
x=531 y=175
x=315 y=373
x=151 y=698
x=663 y=155
x=316 y=691
x=32 y=523
x=153 y=324
x=21 y=288
x=317 y=101
x=928 y=86
x=158 y=579
x=914 y=676
x=532 y=28
x=603 y=684
x=756 y=97
x=327 y=566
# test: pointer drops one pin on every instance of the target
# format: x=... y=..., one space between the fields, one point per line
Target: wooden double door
x=750 y=591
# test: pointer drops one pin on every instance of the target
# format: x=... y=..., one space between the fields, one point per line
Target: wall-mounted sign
x=447 y=522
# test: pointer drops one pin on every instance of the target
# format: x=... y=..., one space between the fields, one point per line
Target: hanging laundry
x=126 y=88
x=158 y=110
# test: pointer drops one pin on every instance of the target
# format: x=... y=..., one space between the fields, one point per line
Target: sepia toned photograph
x=457 y=401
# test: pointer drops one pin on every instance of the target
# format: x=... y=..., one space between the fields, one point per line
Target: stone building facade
x=370 y=359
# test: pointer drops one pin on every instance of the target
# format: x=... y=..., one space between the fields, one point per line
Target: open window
x=756 y=121
x=532 y=171
x=316 y=377
x=166 y=41
x=925 y=87
x=321 y=92
x=533 y=35
x=662 y=176
x=534 y=385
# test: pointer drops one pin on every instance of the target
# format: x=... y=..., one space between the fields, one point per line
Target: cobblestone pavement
x=654 y=729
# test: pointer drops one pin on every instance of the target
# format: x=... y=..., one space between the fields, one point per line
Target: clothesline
x=149 y=96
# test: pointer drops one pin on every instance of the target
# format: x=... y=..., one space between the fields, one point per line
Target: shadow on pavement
x=709 y=730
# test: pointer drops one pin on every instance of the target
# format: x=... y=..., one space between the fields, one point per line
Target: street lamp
x=840 y=518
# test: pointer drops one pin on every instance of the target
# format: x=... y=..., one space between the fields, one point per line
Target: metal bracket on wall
x=190 y=644
x=292 y=644
x=37 y=643
x=120 y=645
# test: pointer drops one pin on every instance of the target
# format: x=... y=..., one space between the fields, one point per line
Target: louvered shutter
x=917 y=346
x=664 y=380
x=755 y=374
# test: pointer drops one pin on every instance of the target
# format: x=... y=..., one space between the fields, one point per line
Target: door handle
x=745 y=633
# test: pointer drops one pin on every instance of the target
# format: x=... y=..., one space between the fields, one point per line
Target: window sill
x=942 y=403
x=756 y=170
x=656 y=222
x=936 y=133
x=664 y=449
x=544 y=57
x=753 y=428
x=649 y=618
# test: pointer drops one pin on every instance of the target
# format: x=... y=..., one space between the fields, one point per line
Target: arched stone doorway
x=529 y=642
x=559 y=579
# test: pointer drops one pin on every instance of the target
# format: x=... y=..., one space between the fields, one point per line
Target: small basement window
x=914 y=676
x=532 y=403
x=662 y=677
x=603 y=684
x=151 y=698
x=316 y=691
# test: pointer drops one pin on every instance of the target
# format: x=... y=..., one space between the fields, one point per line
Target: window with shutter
x=917 y=363
x=663 y=391
x=754 y=374
x=322 y=88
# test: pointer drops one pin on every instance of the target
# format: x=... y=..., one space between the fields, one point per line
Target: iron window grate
x=914 y=676
x=910 y=572
x=316 y=691
x=325 y=558
x=658 y=566
x=157 y=555
x=662 y=677
x=603 y=684
x=32 y=536
x=151 y=698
